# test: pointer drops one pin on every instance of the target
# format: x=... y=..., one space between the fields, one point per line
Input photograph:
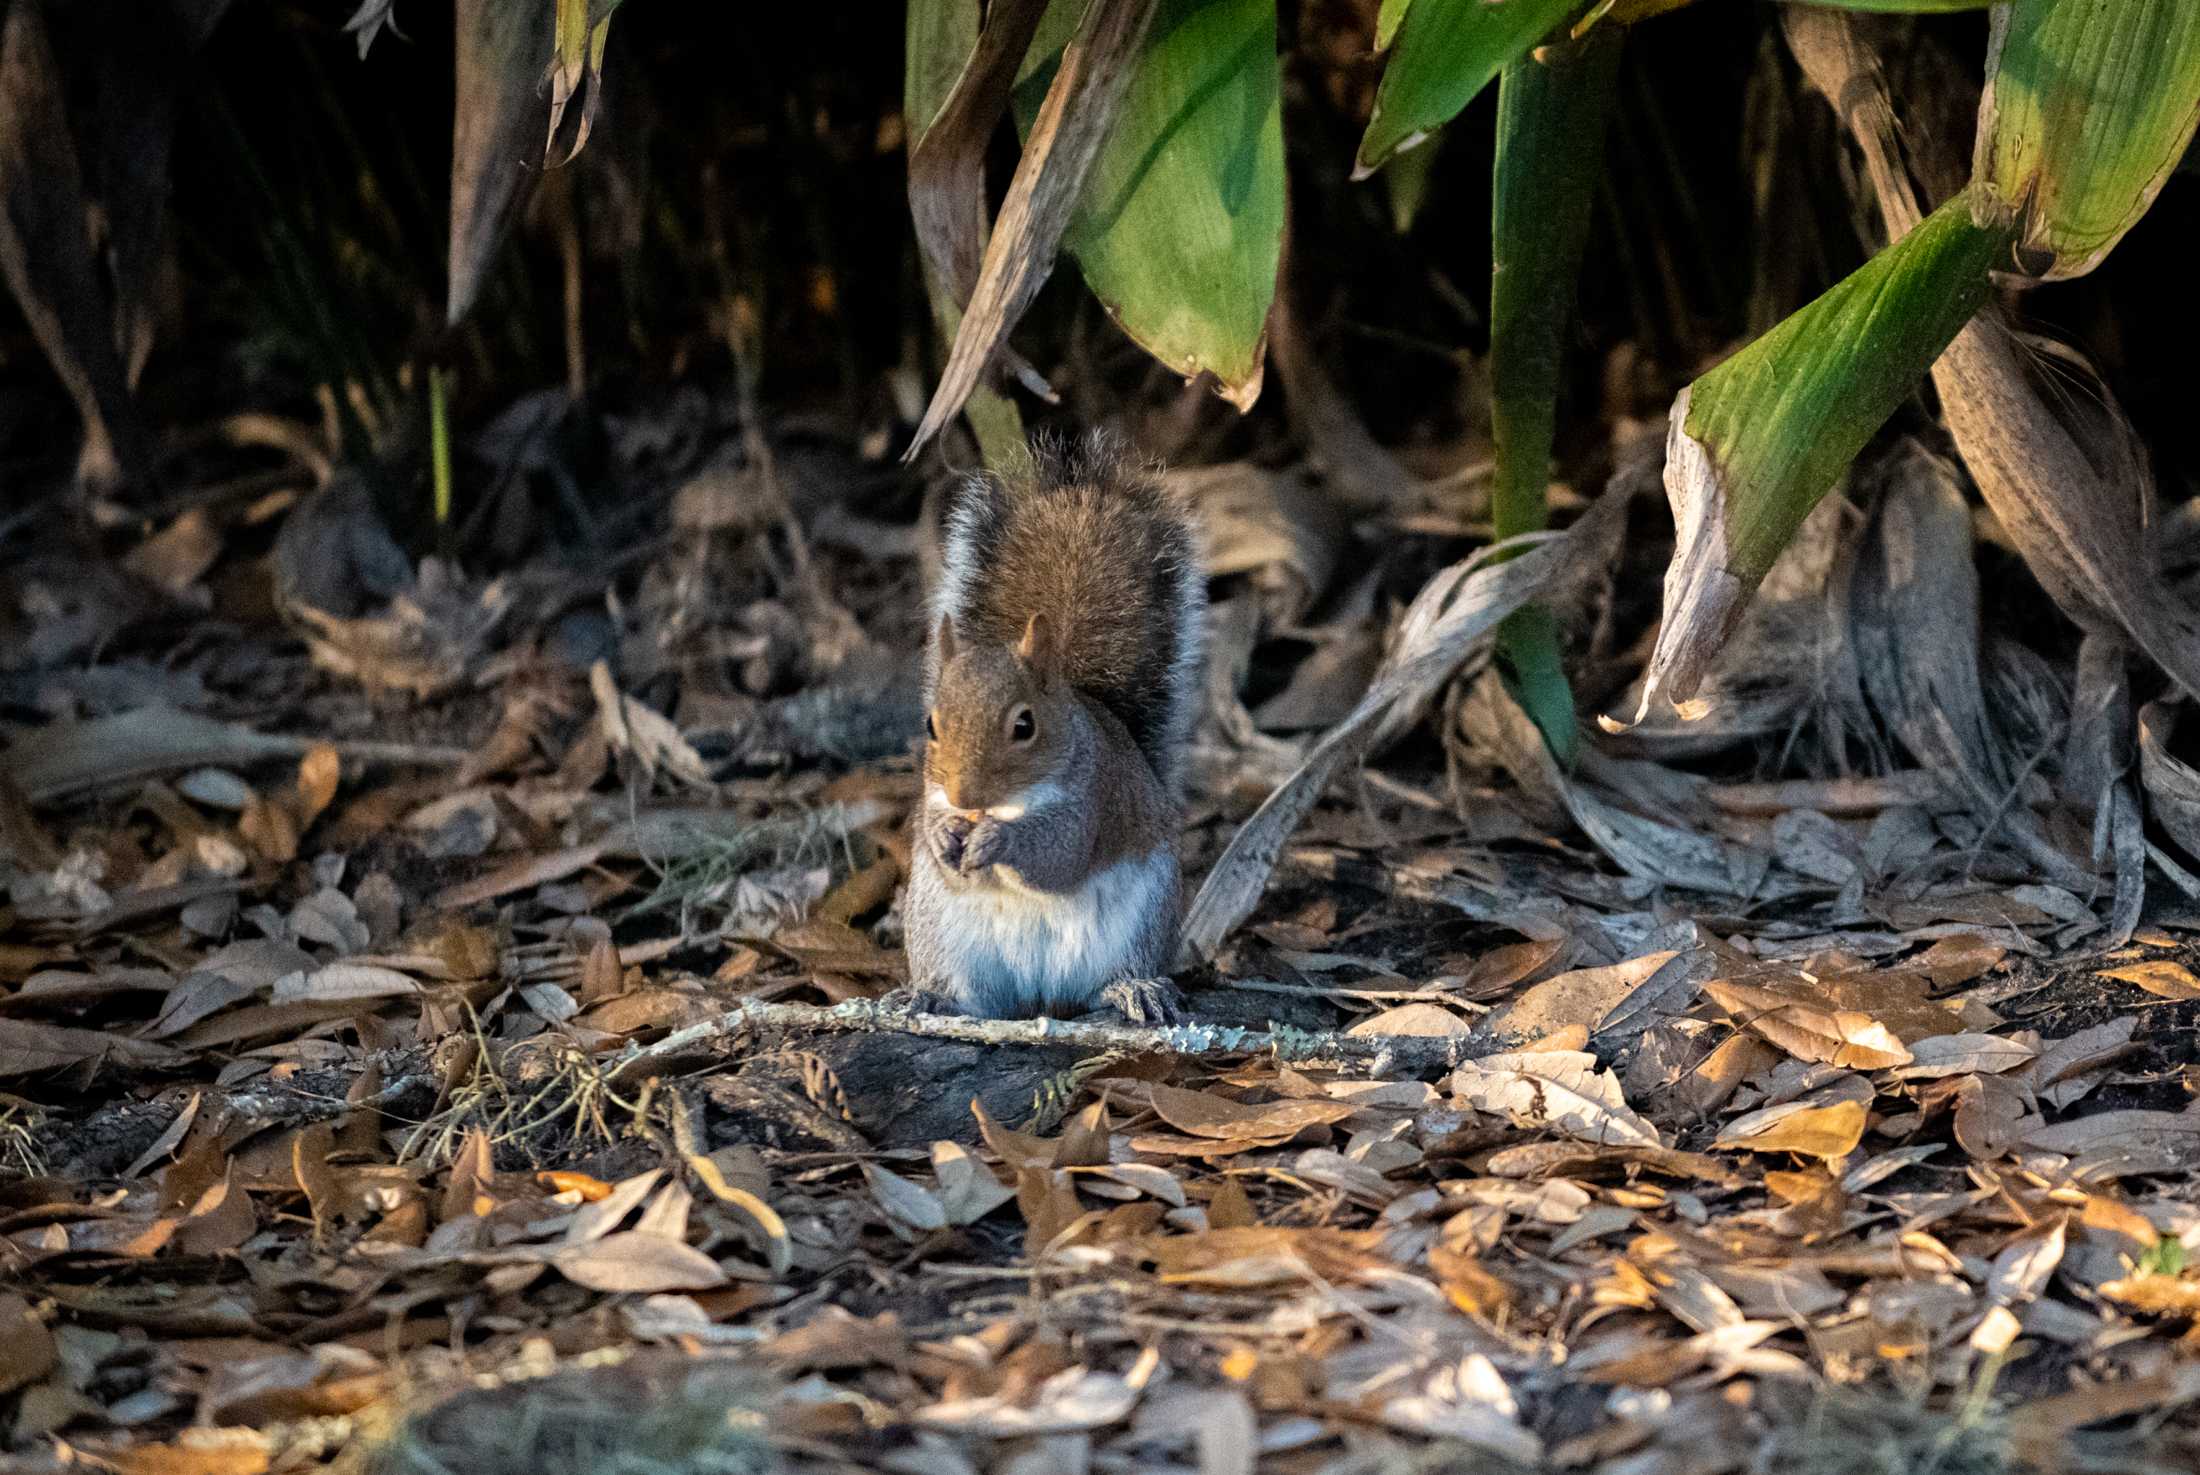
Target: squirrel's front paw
x=1145 y=1000
x=987 y=846
x=948 y=833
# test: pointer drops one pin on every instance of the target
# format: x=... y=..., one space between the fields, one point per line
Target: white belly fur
x=1016 y=949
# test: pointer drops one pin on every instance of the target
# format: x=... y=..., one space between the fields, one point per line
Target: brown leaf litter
x=391 y=1073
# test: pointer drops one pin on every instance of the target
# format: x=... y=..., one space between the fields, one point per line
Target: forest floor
x=418 y=994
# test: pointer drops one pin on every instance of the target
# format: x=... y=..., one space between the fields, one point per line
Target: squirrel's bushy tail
x=1087 y=536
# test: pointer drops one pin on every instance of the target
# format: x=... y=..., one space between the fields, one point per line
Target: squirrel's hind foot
x=920 y=999
x=1145 y=1000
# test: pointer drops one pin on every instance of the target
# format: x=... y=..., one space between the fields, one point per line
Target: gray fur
x=1039 y=915
x=1080 y=894
x=1160 y=713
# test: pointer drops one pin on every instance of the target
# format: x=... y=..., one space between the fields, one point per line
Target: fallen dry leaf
x=1828 y=1132
x=1807 y=1030
x=1560 y=1088
x=633 y=1261
x=2158 y=976
x=1073 y=1400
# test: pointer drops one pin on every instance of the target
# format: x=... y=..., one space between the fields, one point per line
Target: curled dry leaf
x=1468 y=1402
x=1555 y=1088
x=947 y=197
x=1136 y=1178
x=2068 y=481
x=1450 y=622
x=2020 y=1272
x=1016 y=1150
x=1808 y=1030
x=1283 y=533
x=343 y=981
x=45 y=253
x=966 y=1191
x=1540 y=1159
x=1413 y=1019
x=1914 y=620
x=1553 y=1201
x=367 y=22
x=66 y=758
x=30 y=1048
x=2158 y=976
x=603 y=1213
x=2172 y=786
x=2063 y=472
x=1072 y=1401
x=634 y=1261
x=2068 y=1068
x=907 y=1203
x=575 y=70
x=221 y=1219
x=1261 y=1255
x=766 y=1227
x=2156 y=1295
x=1756 y=442
x=631 y=727
x=1828 y=1132
x=1965 y=1054
x=179 y=555
x=1585 y=996
x=2135 y=1130
x=496 y=132
x=1205 y=1115
x=1096 y=70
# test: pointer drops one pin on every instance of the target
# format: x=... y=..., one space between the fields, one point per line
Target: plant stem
x=1551 y=107
x=439 y=449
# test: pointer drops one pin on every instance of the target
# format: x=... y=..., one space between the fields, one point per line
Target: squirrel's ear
x=944 y=638
x=1037 y=646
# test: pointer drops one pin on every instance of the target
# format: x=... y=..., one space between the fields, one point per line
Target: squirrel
x=1062 y=679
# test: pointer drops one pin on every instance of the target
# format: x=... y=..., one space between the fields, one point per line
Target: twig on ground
x=1376 y=1055
x=278 y=1105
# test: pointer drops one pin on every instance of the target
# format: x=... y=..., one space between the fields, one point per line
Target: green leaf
x=939 y=38
x=2166 y=1256
x=2088 y=107
x=1783 y=418
x=582 y=29
x=1179 y=231
x=1447 y=51
x=1899 y=7
x=1550 y=155
x=1531 y=662
x=1758 y=440
x=1387 y=21
x=1405 y=184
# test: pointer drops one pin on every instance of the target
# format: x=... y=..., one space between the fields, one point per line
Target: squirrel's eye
x=1024 y=728
x=931 y=728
